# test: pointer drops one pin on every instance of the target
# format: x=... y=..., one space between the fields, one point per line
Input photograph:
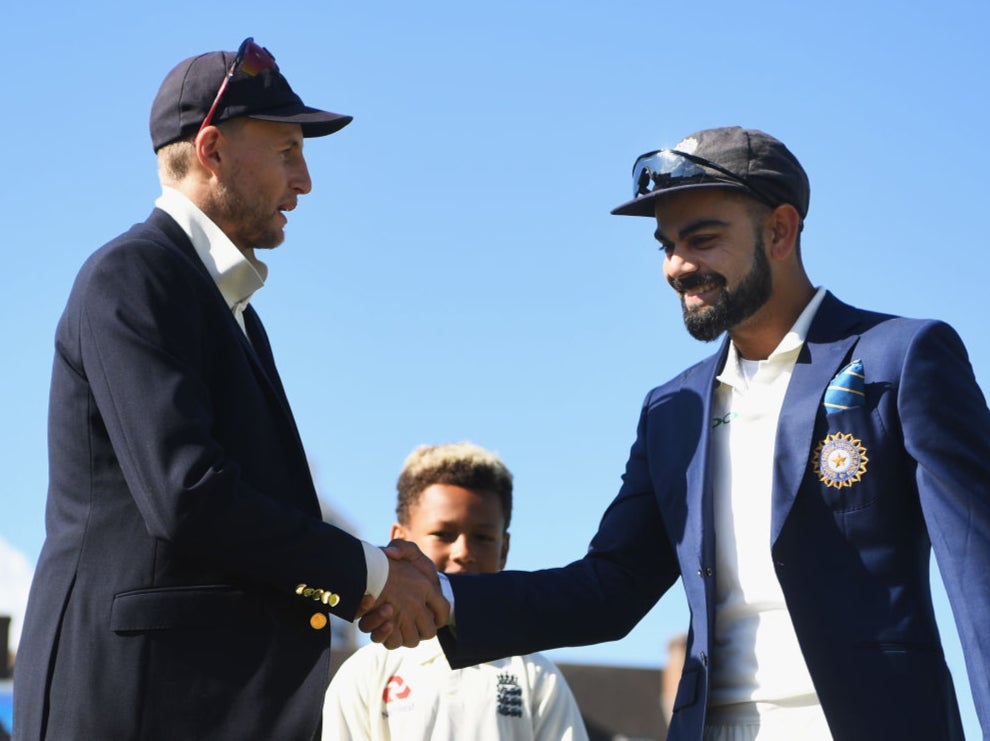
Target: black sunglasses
x=668 y=168
x=252 y=60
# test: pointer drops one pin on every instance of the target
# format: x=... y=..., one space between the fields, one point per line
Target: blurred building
x=6 y=683
x=676 y=652
x=6 y=656
x=618 y=703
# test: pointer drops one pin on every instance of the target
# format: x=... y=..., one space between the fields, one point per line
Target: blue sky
x=455 y=273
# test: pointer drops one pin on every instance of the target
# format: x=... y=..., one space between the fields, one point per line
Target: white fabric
x=410 y=694
x=766 y=721
x=448 y=594
x=238 y=276
x=755 y=652
x=377 y=563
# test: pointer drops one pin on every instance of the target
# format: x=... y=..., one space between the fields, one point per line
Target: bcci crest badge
x=840 y=460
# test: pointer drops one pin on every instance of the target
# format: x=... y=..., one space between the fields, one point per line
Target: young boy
x=455 y=503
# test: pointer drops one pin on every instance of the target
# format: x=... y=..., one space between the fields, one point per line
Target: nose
x=676 y=264
x=300 y=181
x=460 y=551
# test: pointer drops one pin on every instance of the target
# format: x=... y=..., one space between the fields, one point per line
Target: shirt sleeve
x=346 y=714
x=556 y=716
x=377 y=563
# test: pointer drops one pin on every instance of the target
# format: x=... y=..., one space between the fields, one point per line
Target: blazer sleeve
x=946 y=428
x=600 y=597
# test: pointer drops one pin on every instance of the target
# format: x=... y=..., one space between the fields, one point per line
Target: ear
x=398 y=532
x=209 y=145
x=505 y=551
x=780 y=231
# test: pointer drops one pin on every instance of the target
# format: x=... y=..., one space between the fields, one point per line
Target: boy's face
x=460 y=530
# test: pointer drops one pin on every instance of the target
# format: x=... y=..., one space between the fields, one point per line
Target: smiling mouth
x=697 y=283
x=699 y=290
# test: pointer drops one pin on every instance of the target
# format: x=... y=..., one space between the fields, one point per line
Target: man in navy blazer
x=186 y=578
x=796 y=482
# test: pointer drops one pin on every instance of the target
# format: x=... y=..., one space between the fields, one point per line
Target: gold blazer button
x=318 y=621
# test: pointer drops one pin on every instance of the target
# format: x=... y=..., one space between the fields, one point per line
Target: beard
x=250 y=216
x=731 y=307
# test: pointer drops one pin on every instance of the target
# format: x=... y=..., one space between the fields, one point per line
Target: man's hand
x=411 y=606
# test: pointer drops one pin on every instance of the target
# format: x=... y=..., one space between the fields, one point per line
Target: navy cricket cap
x=746 y=160
x=190 y=89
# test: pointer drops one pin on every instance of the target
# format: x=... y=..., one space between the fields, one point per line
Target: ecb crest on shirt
x=509 y=696
x=840 y=460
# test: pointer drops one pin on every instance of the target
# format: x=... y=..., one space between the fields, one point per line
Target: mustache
x=696 y=280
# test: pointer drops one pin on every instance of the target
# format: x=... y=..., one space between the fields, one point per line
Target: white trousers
x=766 y=721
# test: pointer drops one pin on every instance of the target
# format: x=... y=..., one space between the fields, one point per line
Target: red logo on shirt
x=395 y=689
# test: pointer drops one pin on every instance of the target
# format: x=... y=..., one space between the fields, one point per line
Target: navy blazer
x=181 y=519
x=853 y=561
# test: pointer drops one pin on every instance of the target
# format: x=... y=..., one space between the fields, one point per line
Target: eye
x=444 y=536
x=290 y=151
x=702 y=241
x=665 y=246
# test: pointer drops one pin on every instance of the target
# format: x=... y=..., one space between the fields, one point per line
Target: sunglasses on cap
x=671 y=168
x=251 y=59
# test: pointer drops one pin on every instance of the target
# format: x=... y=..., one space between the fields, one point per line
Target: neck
x=758 y=336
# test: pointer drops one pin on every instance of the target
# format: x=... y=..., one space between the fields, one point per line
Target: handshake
x=411 y=607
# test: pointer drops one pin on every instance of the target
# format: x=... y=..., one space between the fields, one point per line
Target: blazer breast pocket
x=847 y=458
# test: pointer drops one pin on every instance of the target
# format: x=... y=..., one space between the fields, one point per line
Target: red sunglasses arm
x=216 y=101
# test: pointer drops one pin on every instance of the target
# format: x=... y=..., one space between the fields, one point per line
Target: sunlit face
x=263 y=175
x=715 y=258
x=460 y=530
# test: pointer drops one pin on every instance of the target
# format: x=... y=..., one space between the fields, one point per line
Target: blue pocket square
x=846 y=390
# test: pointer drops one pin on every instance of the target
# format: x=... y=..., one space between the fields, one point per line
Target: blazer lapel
x=825 y=351
x=261 y=351
x=255 y=344
x=701 y=526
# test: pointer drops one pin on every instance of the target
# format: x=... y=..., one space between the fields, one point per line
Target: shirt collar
x=237 y=275
x=785 y=351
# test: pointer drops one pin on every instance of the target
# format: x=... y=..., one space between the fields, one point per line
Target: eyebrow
x=292 y=137
x=692 y=227
x=483 y=526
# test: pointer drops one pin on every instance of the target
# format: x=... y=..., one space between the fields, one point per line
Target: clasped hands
x=411 y=607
